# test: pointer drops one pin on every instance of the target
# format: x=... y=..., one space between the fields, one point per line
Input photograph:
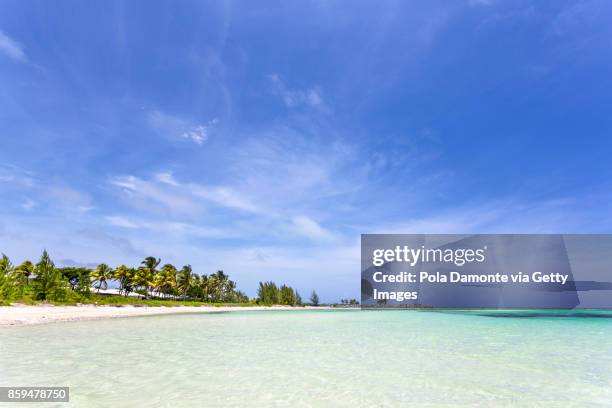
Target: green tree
x=298 y=299
x=24 y=271
x=268 y=293
x=142 y=280
x=150 y=265
x=7 y=279
x=287 y=296
x=195 y=290
x=314 y=298
x=240 y=297
x=204 y=288
x=165 y=280
x=75 y=275
x=219 y=286
x=229 y=290
x=185 y=280
x=125 y=277
x=48 y=284
x=101 y=275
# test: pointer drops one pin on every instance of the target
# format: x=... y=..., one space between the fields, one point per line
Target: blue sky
x=263 y=138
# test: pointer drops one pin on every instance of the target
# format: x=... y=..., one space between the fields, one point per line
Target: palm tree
x=212 y=287
x=165 y=280
x=219 y=285
x=195 y=290
x=102 y=274
x=6 y=278
x=24 y=271
x=125 y=277
x=141 y=279
x=204 y=287
x=184 y=280
x=150 y=263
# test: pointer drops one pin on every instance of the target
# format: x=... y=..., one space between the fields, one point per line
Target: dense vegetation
x=270 y=294
x=147 y=284
x=44 y=281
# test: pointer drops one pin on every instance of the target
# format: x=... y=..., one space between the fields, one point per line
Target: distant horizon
x=262 y=140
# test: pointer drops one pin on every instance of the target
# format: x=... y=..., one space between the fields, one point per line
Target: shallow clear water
x=318 y=358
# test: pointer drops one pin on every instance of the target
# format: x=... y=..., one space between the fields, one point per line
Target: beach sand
x=19 y=315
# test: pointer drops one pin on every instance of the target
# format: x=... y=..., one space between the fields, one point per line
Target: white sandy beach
x=28 y=315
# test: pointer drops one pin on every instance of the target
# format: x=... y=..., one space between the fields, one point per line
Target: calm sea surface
x=318 y=358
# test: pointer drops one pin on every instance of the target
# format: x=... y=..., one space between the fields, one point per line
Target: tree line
x=44 y=281
x=269 y=293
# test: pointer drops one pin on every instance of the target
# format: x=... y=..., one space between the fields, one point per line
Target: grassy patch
x=120 y=301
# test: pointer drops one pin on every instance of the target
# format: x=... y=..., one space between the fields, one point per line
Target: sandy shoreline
x=31 y=315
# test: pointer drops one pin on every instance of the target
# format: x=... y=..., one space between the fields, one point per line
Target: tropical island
x=148 y=284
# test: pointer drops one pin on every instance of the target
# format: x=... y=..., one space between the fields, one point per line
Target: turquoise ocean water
x=319 y=358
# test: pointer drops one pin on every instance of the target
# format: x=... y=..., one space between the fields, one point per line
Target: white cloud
x=224 y=197
x=179 y=197
x=292 y=98
x=287 y=173
x=46 y=193
x=16 y=176
x=510 y=216
x=68 y=198
x=305 y=226
x=198 y=134
x=177 y=230
x=166 y=177
x=178 y=128
x=120 y=221
x=254 y=209
x=11 y=48
x=151 y=195
x=28 y=204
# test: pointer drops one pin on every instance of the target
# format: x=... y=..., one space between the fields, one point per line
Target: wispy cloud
x=281 y=173
x=153 y=195
x=69 y=197
x=311 y=97
x=512 y=215
x=175 y=229
x=179 y=198
x=120 y=221
x=224 y=197
x=16 y=176
x=197 y=134
x=11 y=48
x=47 y=192
x=179 y=128
x=307 y=227
x=167 y=178
x=28 y=204
x=101 y=236
x=246 y=208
